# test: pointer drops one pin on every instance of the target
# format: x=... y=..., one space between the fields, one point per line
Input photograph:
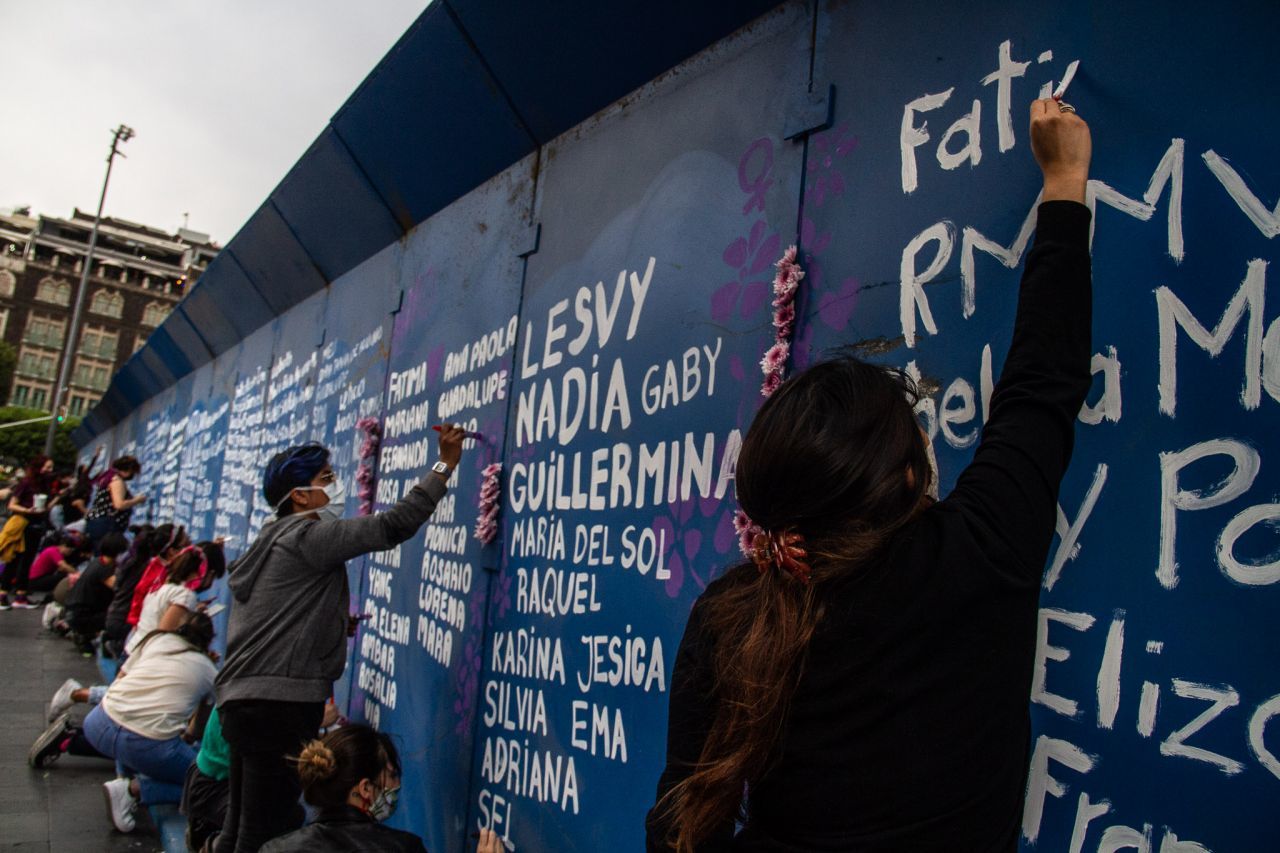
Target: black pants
x=204 y=802
x=79 y=745
x=264 y=787
x=45 y=583
x=17 y=570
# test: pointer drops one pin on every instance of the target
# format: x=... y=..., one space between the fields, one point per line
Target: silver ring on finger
x=1064 y=107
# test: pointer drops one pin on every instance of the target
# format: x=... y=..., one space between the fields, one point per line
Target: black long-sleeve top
x=910 y=725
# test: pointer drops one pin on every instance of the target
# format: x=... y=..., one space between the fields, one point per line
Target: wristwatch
x=442 y=469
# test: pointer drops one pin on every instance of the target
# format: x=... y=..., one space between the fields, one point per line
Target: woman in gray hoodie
x=286 y=638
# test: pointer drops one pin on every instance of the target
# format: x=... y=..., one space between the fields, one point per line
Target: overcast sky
x=224 y=97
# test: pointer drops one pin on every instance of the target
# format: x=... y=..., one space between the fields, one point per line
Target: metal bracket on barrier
x=810 y=112
x=529 y=244
x=399 y=303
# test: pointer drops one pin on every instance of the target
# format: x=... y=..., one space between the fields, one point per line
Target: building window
x=37 y=364
x=30 y=395
x=44 y=332
x=139 y=342
x=107 y=303
x=95 y=375
x=80 y=404
x=154 y=314
x=8 y=282
x=98 y=342
x=54 y=291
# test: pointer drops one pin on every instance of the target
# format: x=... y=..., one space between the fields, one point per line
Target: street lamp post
x=123 y=133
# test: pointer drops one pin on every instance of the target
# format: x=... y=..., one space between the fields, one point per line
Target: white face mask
x=336 y=493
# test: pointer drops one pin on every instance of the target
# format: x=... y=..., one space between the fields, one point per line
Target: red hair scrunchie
x=783 y=550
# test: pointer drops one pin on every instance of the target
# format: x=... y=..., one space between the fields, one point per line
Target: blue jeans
x=161 y=765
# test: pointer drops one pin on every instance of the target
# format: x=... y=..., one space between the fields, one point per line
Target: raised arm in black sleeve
x=1010 y=488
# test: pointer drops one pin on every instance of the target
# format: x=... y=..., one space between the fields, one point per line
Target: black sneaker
x=48 y=747
x=5 y=604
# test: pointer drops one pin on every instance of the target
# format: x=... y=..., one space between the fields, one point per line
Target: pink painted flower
x=771 y=384
x=741 y=522
x=788 y=257
x=775 y=358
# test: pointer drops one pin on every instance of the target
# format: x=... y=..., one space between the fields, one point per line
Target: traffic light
x=62 y=414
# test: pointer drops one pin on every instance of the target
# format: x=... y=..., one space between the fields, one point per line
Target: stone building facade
x=139 y=274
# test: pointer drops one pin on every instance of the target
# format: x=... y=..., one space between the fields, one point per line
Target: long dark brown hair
x=835 y=455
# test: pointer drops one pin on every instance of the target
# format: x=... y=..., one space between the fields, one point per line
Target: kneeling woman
x=142 y=718
x=353 y=776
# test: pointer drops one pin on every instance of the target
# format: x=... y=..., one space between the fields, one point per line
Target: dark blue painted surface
x=286 y=414
x=575 y=58
x=1149 y=79
x=411 y=103
x=448 y=363
x=693 y=172
x=337 y=237
x=228 y=313
x=274 y=260
x=350 y=381
x=688 y=197
x=189 y=339
x=246 y=377
x=203 y=444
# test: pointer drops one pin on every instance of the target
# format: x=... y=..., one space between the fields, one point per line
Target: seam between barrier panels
x=364 y=173
x=294 y=234
x=485 y=635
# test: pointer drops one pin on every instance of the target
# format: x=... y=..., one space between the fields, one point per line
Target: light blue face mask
x=384 y=805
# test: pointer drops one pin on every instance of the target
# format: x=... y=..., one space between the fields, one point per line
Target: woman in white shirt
x=166 y=608
x=145 y=712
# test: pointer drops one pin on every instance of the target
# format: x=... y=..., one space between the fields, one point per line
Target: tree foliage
x=8 y=361
x=20 y=443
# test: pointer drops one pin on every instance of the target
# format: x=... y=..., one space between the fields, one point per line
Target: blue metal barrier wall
x=504 y=231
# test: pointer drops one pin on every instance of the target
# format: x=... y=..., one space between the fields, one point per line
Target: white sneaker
x=52 y=612
x=62 y=701
x=120 y=804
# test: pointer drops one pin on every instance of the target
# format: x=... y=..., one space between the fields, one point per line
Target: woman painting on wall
x=863 y=683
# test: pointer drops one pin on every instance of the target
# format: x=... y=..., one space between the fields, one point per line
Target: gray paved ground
x=60 y=809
